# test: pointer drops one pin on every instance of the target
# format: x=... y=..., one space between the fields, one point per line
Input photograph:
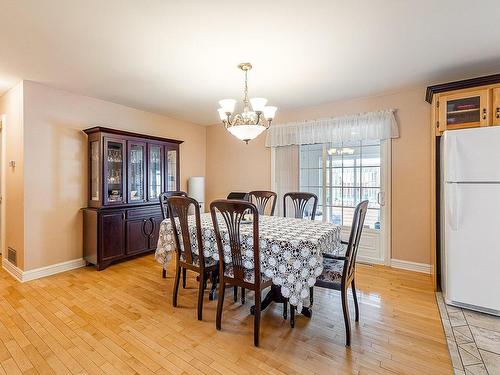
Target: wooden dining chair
x=237 y=195
x=164 y=197
x=339 y=271
x=240 y=196
x=233 y=272
x=164 y=212
x=300 y=201
x=178 y=208
x=261 y=198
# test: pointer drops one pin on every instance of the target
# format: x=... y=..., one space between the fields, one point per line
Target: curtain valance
x=361 y=127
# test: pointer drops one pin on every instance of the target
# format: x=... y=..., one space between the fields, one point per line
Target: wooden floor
x=121 y=321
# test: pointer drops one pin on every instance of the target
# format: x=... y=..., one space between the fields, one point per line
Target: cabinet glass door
x=114 y=171
x=172 y=177
x=465 y=110
x=155 y=171
x=94 y=171
x=136 y=179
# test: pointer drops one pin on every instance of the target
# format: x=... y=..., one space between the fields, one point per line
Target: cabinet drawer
x=144 y=212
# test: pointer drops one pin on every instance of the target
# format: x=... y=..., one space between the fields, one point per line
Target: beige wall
x=56 y=167
x=232 y=165
x=12 y=232
x=43 y=195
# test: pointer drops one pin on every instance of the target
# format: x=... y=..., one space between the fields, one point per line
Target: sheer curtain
x=285 y=173
x=360 y=127
x=285 y=139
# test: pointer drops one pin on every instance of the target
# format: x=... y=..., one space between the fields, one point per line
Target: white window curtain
x=285 y=140
x=285 y=173
x=360 y=127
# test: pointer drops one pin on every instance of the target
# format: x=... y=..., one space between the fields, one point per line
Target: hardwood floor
x=121 y=321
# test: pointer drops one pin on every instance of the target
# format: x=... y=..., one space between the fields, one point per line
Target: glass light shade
x=222 y=114
x=258 y=104
x=227 y=105
x=269 y=112
x=246 y=132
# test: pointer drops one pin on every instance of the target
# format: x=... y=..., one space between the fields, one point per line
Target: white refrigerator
x=470 y=218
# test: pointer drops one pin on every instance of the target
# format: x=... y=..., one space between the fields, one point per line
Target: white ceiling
x=179 y=57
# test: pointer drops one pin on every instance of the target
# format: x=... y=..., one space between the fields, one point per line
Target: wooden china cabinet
x=127 y=173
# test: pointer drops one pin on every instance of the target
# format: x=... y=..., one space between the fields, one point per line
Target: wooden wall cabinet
x=465 y=104
x=127 y=173
x=468 y=109
x=496 y=106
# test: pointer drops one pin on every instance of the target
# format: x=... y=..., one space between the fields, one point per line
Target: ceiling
x=179 y=57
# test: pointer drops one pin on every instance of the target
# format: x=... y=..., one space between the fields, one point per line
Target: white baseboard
x=411 y=266
x=15 y=272
x=37 y=273
x=368 y=260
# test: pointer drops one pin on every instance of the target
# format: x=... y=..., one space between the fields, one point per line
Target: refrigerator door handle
x=452 y=209
x=451 y=156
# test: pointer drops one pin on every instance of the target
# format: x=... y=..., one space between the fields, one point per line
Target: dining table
x=291 y=251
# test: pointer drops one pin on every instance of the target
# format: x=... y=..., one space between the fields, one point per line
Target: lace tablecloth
x=291 y=250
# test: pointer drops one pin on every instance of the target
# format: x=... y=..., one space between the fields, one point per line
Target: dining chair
x=261 y=198
x=339 y=271
x=164 y=212
x=237 y=195
x=242 y=196
x=234 y=273
x=163 y=200
x=300 y=201
x=178 y=208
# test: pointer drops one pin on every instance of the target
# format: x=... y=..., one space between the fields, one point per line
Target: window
x=342 y=175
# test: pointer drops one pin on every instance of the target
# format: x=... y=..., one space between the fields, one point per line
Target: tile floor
x=473 y=339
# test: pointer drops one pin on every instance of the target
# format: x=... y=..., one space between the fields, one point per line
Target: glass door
x=94 y=171
x=342 y=175
x=113 y=171
x=136 y=172
x=465 y=110
x=155 y=174
x=172 y=182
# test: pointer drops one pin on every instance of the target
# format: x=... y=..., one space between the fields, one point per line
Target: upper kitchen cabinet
x=469 y=109
x=496 y=106
x=130 y=169
x=465 y=104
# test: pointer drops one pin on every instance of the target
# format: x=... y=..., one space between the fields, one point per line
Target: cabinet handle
x=498 y=112
x=144 y=227
x=153 y=226
x=484 y=113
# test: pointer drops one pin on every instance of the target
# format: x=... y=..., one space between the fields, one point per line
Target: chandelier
x=251 y=122
x=340 y=151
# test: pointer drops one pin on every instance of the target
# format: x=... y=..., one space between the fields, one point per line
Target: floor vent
x=12 y=256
